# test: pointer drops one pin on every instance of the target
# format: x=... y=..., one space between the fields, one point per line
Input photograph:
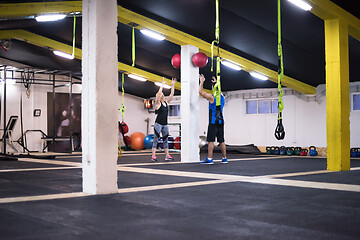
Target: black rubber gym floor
x=214 y=207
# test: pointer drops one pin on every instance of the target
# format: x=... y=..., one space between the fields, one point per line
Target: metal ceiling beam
x=173 y=35
x=178 y=37
x=19 y=10
x=50 y=44
x=326 y=10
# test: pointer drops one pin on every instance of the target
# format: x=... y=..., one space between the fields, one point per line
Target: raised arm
x=169 y=98
x=204 y=94
x=157 y=97
x=217 y=86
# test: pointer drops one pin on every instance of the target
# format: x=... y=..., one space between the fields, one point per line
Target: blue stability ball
x=148 y=141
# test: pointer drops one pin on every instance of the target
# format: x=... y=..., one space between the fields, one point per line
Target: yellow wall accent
x=337 y=95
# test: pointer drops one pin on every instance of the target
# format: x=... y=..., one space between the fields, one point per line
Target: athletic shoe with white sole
x=168 y=158
x=154 y=159
x=207 y=161
x=224 y=160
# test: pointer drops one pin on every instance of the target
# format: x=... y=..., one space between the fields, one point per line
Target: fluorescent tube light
x=159 y=84
x=152 y=34
x=231 y=65
x=259 y=76
x=50 y=17
x=136 y=77
x=301 y=4
x=62 y=54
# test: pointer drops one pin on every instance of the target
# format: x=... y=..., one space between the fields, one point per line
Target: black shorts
x=215 y=130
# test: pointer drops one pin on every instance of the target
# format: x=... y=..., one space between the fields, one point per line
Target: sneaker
x=168 y=158
x=207 y=161
x=154 y=159
x=224 y=160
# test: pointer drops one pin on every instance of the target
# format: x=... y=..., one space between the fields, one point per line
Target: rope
x=73 y=53
x=133 y=47
x=123 y=108
x=279 y=130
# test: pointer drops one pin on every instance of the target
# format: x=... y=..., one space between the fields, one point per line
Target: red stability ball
x=137 y=141
x=123 y=128
x=177 y=143
x=127 y=141
x=200 y=59
x=176 y=60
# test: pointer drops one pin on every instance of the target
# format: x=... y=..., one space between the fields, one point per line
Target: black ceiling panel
x=247 y=28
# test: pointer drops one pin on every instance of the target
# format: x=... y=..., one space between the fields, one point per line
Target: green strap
x=123 y=108
x=280 y=65
x=133 y=47
x=73 y=53
x=217 y=34
x=217 y=86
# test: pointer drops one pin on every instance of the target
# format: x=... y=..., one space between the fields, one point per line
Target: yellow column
x=337 y=95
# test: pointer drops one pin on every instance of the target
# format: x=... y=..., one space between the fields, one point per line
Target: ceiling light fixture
x=164 y=86
x=259 y=76
x=62 y=54
x=50 y=17
x=301 y=4
x=231 y=65
x=136 y=77
x=152 y=34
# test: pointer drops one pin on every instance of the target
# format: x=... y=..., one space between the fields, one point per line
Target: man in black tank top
x=161 y=122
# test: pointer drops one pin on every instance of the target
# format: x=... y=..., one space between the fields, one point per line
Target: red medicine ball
x=200 y=59
x=176 y=60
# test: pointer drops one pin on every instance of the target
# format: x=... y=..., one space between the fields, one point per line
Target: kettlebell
x=277 y=151
x=268 y=150
x=354 y=152
x=282 y=150
x=289 y=151
x=312 y=151
x=297 y=151
x=272 y=150
x=303 y=152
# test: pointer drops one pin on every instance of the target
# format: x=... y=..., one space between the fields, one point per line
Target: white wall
x=135 y=114
x=304 y=124
x=304 y=118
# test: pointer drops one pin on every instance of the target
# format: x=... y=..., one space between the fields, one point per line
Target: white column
x=99 y=94
x=189 y=106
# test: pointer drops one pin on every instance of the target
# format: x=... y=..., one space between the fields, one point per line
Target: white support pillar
x=189 y=106
x=99 y=94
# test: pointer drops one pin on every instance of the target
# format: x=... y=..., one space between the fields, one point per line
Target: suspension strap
x=280 y=130
x=123 y=108
x=133 y=47
x=217 y=87
x=73 y=53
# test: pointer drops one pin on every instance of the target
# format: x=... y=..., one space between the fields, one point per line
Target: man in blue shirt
x=216 y=119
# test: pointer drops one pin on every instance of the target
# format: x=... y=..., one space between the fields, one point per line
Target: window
x=174 y=110
x=251 y=107
x=274 y=106
x=264 y=106
x=356 y=102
